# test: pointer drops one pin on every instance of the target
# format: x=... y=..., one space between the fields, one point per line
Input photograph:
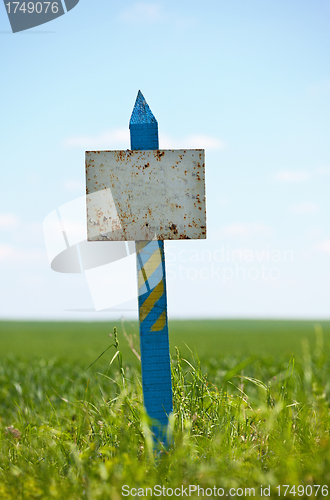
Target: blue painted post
x=154 y=341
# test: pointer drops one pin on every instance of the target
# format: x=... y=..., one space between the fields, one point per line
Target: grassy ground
x=243 y=417
x=210 y=338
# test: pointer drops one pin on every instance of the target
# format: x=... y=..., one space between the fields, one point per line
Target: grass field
x=251 y=412
x=84 y=341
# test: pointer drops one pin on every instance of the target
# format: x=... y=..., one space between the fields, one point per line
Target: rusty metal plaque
x=145 y=195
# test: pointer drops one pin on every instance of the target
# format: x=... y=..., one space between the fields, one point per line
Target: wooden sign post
x=148 y=195
x=154 y=342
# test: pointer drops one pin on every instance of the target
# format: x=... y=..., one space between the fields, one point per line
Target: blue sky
x=248 y=80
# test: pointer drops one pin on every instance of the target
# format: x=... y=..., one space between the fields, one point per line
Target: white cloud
x=204 y=141
x=240 y=229
x=8 y=221
x=320 y=88
x=324 y=246
x=6 y=252
x=236 y=230
x=190 y=142
x=153 y=12
x=304 y=208
x=109 y=139
x=74 y=185
x=27 y=233
x=143 y=12
x=314 y=232
x=291 y=176
x=324 y=170
x=120 y=138
x=9 y=253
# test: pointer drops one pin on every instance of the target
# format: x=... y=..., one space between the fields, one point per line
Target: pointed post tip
x=141 y=112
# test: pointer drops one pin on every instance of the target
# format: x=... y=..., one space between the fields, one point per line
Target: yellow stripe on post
x=149 y=303
x=149 y=267
x=160 y=323
x=141 y=244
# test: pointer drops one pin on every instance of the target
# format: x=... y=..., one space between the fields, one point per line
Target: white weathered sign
x=145 y=195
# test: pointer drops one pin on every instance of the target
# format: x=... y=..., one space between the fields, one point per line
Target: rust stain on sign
x=145 y=195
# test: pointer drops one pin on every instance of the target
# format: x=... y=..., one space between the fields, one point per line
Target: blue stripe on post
x=154 y=341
